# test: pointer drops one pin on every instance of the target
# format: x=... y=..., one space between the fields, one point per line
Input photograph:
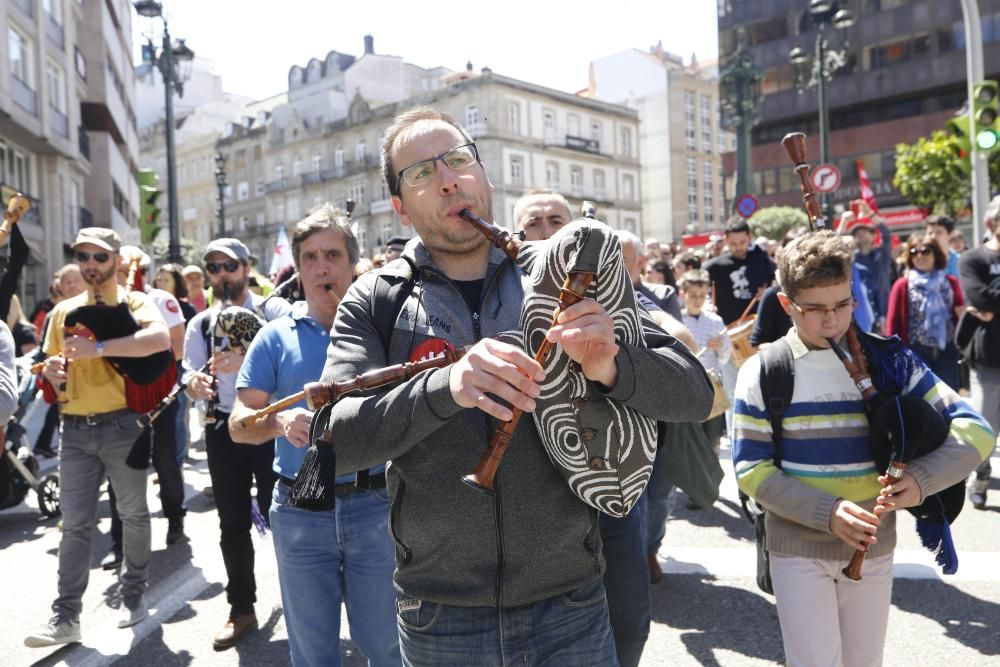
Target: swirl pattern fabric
x=607 y=463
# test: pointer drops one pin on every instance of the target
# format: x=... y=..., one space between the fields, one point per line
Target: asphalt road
x=707 y=609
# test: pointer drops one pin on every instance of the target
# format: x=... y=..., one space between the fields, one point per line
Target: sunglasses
x=229 y=266
x=921 y=251
x=99 y=257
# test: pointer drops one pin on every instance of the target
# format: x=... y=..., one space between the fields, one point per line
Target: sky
x=253 y=43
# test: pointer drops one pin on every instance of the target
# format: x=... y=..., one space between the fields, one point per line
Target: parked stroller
x=19 y=467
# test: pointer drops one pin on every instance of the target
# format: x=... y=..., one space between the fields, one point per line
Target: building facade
x=67 y=126
x=904 y=76
x=527 y=136
x=680 y=140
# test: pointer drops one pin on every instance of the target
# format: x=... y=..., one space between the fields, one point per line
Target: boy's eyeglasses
x=460 y=157
x=229 y=266
x=99 y=257
x=817 y=311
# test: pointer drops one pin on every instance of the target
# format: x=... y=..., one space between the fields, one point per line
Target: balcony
x=54 y=31
x=312 y=177
x=476 y=129
x=331 y=174
x=24 y=96
x=274 y=186
x=83 y=140
x=58 y=122
x=380 y=206
x=583 y=144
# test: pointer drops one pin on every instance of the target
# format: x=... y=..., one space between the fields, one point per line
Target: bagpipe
x=901 y=427
x=608 y=462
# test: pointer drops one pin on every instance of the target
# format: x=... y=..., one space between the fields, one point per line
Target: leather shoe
x=113 y=560
x=235 y=627
x=655 y=573
x=175 y=531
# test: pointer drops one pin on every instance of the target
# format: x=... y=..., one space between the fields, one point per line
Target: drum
x=739 y=339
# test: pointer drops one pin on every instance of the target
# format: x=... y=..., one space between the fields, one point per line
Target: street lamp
x=739 y=85
x=174 y=60
x=825 y=61
x=220 y=181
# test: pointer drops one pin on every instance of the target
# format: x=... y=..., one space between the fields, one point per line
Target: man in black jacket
x=980 y=274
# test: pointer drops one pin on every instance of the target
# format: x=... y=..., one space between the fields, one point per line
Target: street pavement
x=706 y=611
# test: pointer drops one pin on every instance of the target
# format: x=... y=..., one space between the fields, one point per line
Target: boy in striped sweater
x=827 y=497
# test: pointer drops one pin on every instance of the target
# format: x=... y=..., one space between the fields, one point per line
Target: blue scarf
x=926 y=288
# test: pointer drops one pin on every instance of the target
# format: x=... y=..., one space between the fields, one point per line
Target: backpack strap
x=393 y=285
x=777 y=382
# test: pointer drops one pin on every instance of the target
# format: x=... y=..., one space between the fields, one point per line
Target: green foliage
x=191 y=251
x=774 y=222
x=931 y=174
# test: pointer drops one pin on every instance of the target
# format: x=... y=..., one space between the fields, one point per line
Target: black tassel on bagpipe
x=313 y=488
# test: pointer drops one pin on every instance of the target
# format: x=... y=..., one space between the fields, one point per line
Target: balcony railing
x=275 y=186
x=59 y=122
x=312 y=177
x=24 y=96
x=477 y=129
x=331 y=174
x=83 y=139
x=54 y=32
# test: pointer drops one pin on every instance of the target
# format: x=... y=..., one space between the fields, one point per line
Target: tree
x=930 y=173
x=774 y=222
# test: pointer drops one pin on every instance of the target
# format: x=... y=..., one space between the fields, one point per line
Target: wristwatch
x=99 y=346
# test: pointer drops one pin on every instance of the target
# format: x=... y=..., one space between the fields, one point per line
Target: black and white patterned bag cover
x=607 y=462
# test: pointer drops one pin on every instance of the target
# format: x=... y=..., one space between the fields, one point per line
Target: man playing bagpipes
x=512 y=575
x=342 y=555
x=826 y=496
x=98 y=430
x=233 y=467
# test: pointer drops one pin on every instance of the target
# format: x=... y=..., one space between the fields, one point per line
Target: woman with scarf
x=924 y=305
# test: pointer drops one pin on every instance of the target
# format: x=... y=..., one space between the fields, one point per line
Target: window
x=552 y=175
x=20 y=171
x=279 y=173
x=573 y=125
x=514 y=118
x=293 y=209
x=317 y=163
x=576 y=181
x=706 y=177
x=599 y=184
x=357 y=193
x=55 y=82
x=338 y=158
x=549 y=124
x=629 y=224
x=472 y=117
x=516 y=171
x=242 y=191
x=706 y=114
x=296 y=166
x=626 y=141
x=359 y=151
x=258 y=188
x=689 y=129
x=242 y=224
x=279 y=213
x=709 y=202
x=595 y=130
x=628 y=187
x=261 y=219
x=54 y=9
x=19 y=54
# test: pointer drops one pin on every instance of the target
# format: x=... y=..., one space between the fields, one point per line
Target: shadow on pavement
x=711 y=616
x=21 y=527
x=963 y=617
x=736 y=527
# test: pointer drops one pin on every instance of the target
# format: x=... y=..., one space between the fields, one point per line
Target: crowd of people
x=430 y=572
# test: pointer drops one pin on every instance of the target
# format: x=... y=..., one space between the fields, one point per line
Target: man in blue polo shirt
x=323 y=557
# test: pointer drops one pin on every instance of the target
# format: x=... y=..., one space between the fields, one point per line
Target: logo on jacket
x=430 y=348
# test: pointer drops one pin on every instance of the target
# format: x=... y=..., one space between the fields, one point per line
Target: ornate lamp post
x=174 y=61
x=825 y=61
x=220 y=181
x=739 y=84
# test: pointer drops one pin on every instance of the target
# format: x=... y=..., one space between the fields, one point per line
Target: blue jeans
x=626 y=581
x=182 y=427
x=570 y=630
x=660 y=500
x=326 y=557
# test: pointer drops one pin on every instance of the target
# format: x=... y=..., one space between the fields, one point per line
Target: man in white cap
x=233 y=467
x=98 y=431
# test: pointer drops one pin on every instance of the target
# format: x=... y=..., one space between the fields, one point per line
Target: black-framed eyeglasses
x=921 y=251
x=419 y=173
x=99 y=257
x=229 y=266
x=820 y=311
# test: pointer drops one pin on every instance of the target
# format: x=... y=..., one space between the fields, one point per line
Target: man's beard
x=233 y=287
x=101 y=278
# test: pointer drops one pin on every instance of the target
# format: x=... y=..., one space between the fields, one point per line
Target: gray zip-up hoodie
x=534 y=539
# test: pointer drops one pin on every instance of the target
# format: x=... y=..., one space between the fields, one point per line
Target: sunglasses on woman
x=921 y=251
x=230 y=266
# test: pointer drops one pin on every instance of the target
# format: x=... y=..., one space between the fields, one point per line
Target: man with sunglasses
x=233 y=467
x=98 y=430
x=481 y=579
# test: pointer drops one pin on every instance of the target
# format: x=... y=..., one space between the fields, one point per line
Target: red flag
x=866 y=189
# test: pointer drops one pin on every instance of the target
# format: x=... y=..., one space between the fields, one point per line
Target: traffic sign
x=747 y=205
x=825 y=178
